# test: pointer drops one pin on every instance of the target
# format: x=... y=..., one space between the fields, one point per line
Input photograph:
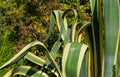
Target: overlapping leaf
x=24 y=51
x=25 y=71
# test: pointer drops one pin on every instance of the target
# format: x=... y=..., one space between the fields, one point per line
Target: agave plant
x=97 y=56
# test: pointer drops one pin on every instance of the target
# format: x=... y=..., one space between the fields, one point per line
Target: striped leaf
x=83 y=26
x=21 y=54
x=55 y=48
x=84 y=67
x=60 y=23
x=54 y=51
x=118 y=57
x=24 y=51
x=25 y=71
x=74 y=22
x=35 y=59
x=97 y=32
x=72 y=59
x=111 y=21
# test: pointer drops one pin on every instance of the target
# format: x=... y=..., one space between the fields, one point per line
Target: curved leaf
x=83 y=26
x=60 y=23
x=74 y=22
x=25 y=71
x=21 y=54
x=24 y=51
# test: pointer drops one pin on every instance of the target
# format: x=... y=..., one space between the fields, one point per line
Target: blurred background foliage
x=22 y=21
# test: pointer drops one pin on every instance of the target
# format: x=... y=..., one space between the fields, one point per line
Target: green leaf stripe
x=72 y=59
x=35 y=59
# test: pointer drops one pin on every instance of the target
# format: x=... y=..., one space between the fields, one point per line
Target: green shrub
x=6 y=48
